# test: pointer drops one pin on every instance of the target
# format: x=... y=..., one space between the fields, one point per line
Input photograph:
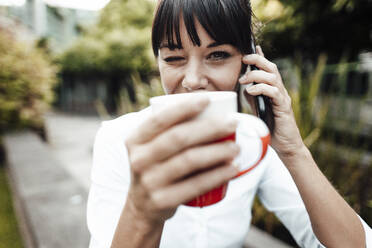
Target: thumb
x=250 y=100
x=259 y=51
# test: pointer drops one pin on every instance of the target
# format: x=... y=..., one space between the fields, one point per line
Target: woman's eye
x=218 y=55
x=173 y=59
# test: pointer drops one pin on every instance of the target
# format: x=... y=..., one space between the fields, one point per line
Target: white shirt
x=224 y=224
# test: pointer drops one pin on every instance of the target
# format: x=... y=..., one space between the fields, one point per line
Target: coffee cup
x=252 y=135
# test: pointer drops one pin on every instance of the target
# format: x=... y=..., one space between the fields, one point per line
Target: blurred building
x=36 y=19
x=351 y=89
x=346 y=93
x=350 y=92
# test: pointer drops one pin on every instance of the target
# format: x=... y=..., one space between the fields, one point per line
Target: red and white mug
x=252 y=135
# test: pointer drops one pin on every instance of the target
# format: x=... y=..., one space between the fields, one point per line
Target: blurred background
x=67 y=65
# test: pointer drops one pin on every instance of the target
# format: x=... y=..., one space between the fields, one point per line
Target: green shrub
x=143 y=93
x=84 y=57
x=26 y=82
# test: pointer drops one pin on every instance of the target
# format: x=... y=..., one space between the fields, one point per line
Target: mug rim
x=213 y=96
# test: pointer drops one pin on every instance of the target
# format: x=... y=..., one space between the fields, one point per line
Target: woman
x=145 y=163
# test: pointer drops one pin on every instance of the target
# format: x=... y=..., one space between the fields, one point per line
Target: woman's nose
x=194 y=78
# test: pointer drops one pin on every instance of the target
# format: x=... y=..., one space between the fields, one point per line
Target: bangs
x=225 y=21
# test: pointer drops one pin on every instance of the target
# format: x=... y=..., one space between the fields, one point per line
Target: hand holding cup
x=251 y=134
x=165 y=158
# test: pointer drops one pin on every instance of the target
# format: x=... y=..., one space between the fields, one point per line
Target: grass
x=9 y=233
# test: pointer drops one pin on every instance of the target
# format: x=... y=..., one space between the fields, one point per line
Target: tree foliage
x=311 y=27
x=120 y=14
x=26 y=81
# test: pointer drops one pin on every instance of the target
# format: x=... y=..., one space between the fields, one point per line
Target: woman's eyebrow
x=215 y=44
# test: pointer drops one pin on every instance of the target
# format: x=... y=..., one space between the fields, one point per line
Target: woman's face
x=210 y=67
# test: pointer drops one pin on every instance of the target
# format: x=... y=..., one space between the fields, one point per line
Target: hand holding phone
x=262 y=103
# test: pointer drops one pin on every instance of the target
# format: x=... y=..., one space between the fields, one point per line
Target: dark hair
x=225 y=21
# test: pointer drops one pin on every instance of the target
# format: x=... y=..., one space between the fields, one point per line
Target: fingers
x=268 y=79
x=178 y=138
x=273 y=92
x=261 y=62
x=188 y=162
x=259 y=76
x=192 y=187
x=251 y=102
x=259 y=51
x=166 y=118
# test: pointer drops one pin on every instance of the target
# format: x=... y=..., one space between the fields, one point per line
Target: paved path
x=71 y=138
x=49 y=202
x=52 y=180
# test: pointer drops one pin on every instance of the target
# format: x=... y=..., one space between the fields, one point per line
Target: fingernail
x=233 y=169
x=248 y=56
x=252 y=89
x=243 y=78
x=232 y=123
x=234 y=147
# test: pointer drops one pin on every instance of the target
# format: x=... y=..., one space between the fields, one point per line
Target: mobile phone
x=262 y=103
